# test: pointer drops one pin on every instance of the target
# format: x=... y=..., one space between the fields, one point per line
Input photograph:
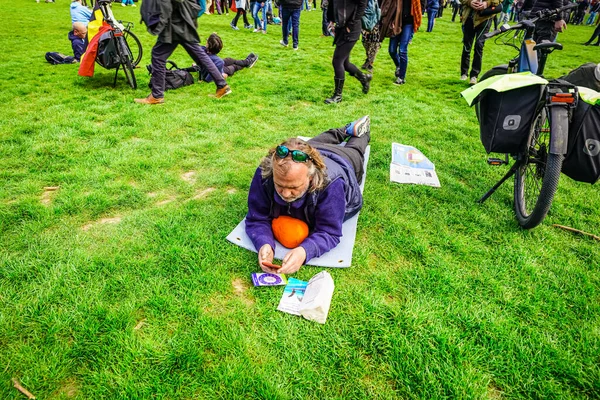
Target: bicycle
x=120 y=51
x=538 y=162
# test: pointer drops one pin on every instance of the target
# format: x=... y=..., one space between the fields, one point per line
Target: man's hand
x=560 y=26
x=331 y=26
x=266 y=254
x=293 y=261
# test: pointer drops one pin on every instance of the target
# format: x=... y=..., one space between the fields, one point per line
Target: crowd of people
x=316 y=182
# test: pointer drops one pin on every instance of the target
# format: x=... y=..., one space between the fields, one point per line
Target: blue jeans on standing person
x=431 y=14
x=202 y=4
x=591 y=18
x=255 y=9
x=305 y=5
x=293 y=16
x=128 y=2
x=399 y=50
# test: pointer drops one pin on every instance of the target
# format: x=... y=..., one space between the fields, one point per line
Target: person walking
x=181 y=29
x=241 y=10
x=290 y=14
x=400 y=19
x=475 y=25
x=432 y=9
x=346 y=17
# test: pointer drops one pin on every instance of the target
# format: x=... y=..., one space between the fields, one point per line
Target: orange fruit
x=289 y=231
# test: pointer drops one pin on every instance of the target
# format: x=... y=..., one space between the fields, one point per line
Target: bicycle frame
x=109 y=17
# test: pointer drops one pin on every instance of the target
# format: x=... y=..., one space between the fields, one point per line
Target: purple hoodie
x=324 y=211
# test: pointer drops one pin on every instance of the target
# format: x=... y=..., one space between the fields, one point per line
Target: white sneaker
x=473 y=80
x=464 y=77
x=133 y=5
x=281 y=42
x=256 y=30
x=123 y=4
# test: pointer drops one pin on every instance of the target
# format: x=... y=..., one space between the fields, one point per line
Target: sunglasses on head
x=297 y=155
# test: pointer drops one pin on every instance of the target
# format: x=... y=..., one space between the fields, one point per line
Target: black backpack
x=174 y=77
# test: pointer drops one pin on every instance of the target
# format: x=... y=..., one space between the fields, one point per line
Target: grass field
x=120 y=284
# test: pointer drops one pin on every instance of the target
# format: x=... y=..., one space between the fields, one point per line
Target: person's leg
x=481 y=30
x=468 y=37
x=199 y=55
x=160 y=54
x=431 y=12
x=285 y=20
x=393 y=50
x=255 y=8
x=404 y=39
x=595 y=35
x=295 y=27
x=236 y=18
x=264 y=16
x=340 y=55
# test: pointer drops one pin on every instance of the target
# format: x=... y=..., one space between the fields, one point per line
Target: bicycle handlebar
x=542 y=15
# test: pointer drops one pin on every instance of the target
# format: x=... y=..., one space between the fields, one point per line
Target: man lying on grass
x=302 y=192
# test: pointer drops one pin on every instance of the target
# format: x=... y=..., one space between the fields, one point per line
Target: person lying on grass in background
x=316 y=183
x=227 y=66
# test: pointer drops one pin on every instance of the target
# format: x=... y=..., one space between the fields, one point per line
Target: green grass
x=446 y=298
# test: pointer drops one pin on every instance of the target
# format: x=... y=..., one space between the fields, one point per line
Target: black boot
x=365 y=80
x=337 y=93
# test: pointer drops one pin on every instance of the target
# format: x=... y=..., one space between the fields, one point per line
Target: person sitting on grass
x=80 y=13
x=77 y=38
x=227 y=66
x=316 y=183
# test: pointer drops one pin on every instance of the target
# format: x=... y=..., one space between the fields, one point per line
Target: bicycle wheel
x=497 y=70
x=135 y=47
x=125 y=57
x=536 y=179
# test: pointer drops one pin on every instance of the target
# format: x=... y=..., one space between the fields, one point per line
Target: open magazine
x=409 y=165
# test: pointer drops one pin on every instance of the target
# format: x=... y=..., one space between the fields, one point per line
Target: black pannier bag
x=107 y=55
x=582 y=162
x=175 y=77
x=505 y=118
x=587 y=75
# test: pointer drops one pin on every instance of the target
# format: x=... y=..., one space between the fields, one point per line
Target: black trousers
x=595 y=35
x=341 y=57
x=161 y=52
x=353 y=151
x=231 y=66
x=473 y=34
x=240 y=11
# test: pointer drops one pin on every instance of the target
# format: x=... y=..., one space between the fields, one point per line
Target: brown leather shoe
x=150 y=100
x=224 y=91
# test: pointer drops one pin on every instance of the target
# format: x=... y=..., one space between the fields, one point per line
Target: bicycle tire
x=536 y=178
x=136 y=50
x=125 y=57
x=497 y=70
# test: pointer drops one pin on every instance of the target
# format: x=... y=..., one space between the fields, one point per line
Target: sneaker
x=473 y=80
x=359 y=127
x=463 y=77
x=133 y=5
x=264 y=32
x=150 y=100
x=247 y=26
x=295 y=48
x=224 y=91
x=284 y=44
x=399 y=81
x=235 y=28
x=123 y=4
x=253 y=58
x=256 y=30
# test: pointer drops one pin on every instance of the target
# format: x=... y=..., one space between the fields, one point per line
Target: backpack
x=174 y=77
x=155 y=14
x=107 y=55
x=372 y=15
x=55 y=58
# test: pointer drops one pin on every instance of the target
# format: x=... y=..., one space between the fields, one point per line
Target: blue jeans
x=128 y=2
x=294 y=16
x=202 y=4
x=255 y=9
x=305 y=5
x=399 y=50
x=591 y=18
x=431 y=14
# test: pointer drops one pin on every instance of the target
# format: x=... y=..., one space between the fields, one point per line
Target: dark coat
x=347 y=15
x=183 y=23
x=391 y=16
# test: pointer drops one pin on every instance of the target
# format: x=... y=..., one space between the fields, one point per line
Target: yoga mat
x=338 y=257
